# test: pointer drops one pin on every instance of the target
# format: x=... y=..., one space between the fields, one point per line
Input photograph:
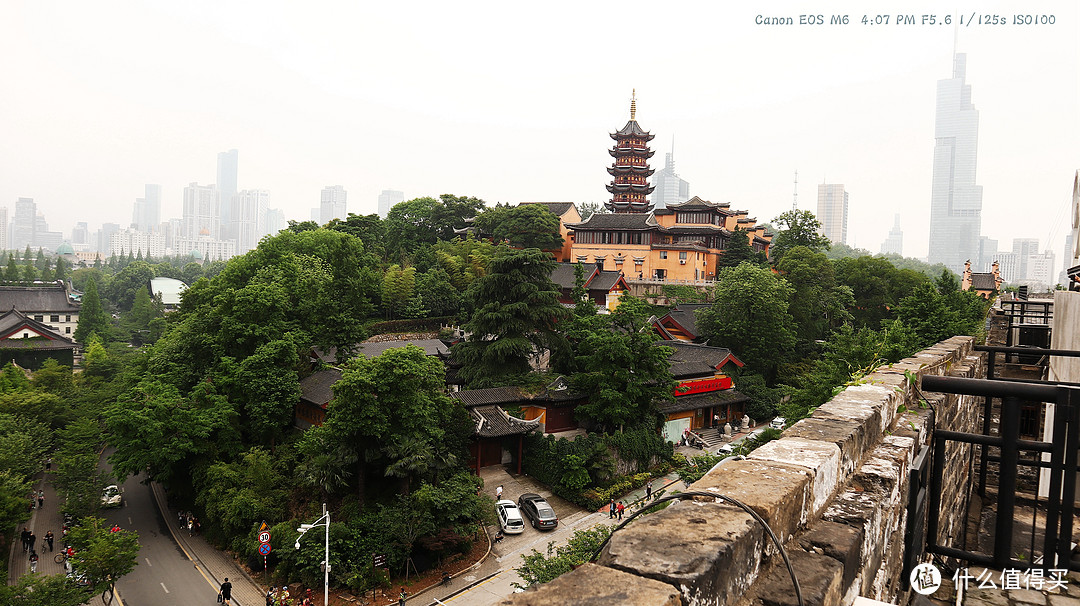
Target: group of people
x=615 y=509
x=281 y=597
x=29 y=545
x=189 y=521
x=37 y=500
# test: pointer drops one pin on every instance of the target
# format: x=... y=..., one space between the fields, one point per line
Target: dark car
x=536 y=508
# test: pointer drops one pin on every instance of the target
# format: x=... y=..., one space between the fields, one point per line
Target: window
x=663 y=254
x=682 y=256
x=67 y=330
x=68 y=319
x=39 y=318
x=54 y=318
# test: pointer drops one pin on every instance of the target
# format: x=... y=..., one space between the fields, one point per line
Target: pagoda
x=630 y=187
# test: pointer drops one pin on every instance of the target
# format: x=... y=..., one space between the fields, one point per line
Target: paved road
x=164 y=575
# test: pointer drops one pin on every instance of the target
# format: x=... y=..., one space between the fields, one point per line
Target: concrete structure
x=146 y=216
x=4 y=228
x=670 y=188
x=1009 y=266
x=202 y=211
x=988 y=253
x=832 y=211
x=956 y=201
x=28 y=228
x=168 y=290
x=630 y=171
x=1040 y=269
x=227 y=166
x=249 y=218
x=80 y=236
x=387 y=199
x=332 y=204
x=131 y=241
x=894 y=242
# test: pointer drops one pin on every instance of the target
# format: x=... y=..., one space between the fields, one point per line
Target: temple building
x=630 y=172
x=681 y=242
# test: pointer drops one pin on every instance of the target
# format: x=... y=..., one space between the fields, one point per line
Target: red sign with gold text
x=686 y=388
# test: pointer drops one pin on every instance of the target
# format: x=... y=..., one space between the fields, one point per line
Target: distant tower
x=147 y=215
x=630 y=186
x=670 y=188
x=227 y=162
x=388 y=199
x=955 y=199
x=332 y=204
x=249 y=214
x=832 y=211
x=202 y=211
x=894 y=244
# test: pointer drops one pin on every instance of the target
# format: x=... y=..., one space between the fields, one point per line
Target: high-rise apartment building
x=133 y=241
x=275 y=222
x=388 y=199
x=202 y=211
x=249 y=213
x=3 y=228
x=146 y=216
x=988 y=252
x=894 y=243
x=1024 y=248
x=1008 y=267
x=832 y=211
x=955 y=200
x=332 y=204
x=1040 y=268
x=80 y=237
x=23 y=223
x=103 y=241
x=227 y=162
x=670 y=188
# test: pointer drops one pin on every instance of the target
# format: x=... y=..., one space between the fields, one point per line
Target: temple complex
x=630 y=172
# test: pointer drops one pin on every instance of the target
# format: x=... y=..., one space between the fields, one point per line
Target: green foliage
x=44 y=590
x=763 y=399
x=680 y=293
x=23 y=444
x=464 y=260
x=237 y=495
x=102 y=556
x=413 y=223
x=750 y=317
x=398 y=286
x=370 y=229
x=737 y=249
x=515 y=311
x=438 y=293
x=411 y=325
x=698 y=466
x=92 y=316
x=523 y=226
x=818 y=303
x=797 y=228
x=622 y=372
x=126 y=283
x=538 y=568
x=878 y=287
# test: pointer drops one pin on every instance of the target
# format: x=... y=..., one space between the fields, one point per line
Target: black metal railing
x=1028 y=312
x=1061 y=468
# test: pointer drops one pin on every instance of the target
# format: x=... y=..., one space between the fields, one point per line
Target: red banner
x=702 y=386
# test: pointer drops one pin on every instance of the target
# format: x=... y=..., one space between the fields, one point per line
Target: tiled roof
x=491 y=395
x=36 y=299
x=564 y=273
x=318 y=388
x=685 y=315
x=493 y=422
x=557 y=208
x=693 y=352
x=704 y=400
x=605 y=280
x=616 y=221
x=13 y=319
x=632 y=128
x=983 y=281
x=431 y=347
x=686 y=370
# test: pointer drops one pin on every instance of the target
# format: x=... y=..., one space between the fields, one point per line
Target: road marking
x=148 y=562
x=477 y=586
x=130 y=523
x=165 y=588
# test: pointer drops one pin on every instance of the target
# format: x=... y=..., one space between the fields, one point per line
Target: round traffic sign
x=264 y=549
x=264 y=537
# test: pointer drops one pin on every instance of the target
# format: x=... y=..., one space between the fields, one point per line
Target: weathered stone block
x=822 y=459
x=850 y=436
x=779 y=493
x=819 y=579
x=710 y=551
x=840 y=542
x=593 y=585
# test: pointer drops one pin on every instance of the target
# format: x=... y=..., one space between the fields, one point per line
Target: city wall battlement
x=834 y=489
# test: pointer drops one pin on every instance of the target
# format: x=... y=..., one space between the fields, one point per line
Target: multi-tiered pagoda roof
x=630 y=184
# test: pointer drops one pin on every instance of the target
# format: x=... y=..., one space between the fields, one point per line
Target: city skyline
x=92 y=122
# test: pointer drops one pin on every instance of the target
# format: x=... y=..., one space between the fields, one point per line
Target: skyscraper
x=332 y=204
x=832 y=211
x=250 y=218
x=894 y=243
x=670 y=188
x=1024 y=248
x=227 y=162
x=388 y=199
x=202 y=211
x=147 y=213
x=3 y=228
x=955 y=201
x=23 y=223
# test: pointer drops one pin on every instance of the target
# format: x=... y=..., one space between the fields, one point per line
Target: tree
x=523 y=226
x=12 y=273
x=818 y=304
x=877 y=285
x=539 y=568
x=622 y=372
x=398 y=286
x=127 y=282
x=798 y=228
x=410 y=224
x=44 y=590
x=103 y=556
x=515 y=309
x=270 y=388
x=737 y=249
x=92 y=317
x=369 y=228
x=587 y=209
x=237 y=495
x=61 y=270
x=750 y=317
x=438 y=292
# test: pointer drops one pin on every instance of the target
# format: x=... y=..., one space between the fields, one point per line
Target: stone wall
x=833 y=489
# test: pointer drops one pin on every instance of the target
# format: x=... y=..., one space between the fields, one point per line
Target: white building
x=670 y=188
x=206 y=247
x=388 y=199
x=249 y=214
x=832 y=211
x=894 y=243
x=146 y=216
x=275 y=222
x=332 y=204
x=132 y=241
x=202 y=211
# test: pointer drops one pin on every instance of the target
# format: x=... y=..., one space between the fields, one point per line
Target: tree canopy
x=797 y=228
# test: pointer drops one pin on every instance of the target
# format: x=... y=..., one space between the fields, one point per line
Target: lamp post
x=326 y=563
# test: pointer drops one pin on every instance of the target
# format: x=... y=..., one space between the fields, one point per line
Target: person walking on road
x=611 y=509
x=226 y=592
x=33 y=561
x=41 y=499
x=498 y=493
x=648 y=490
x=25 y=535
x=49 y=540
x=402 y=596
x=621 y=508
x=33 y=540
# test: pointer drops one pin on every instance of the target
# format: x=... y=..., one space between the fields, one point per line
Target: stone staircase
x=712 y=437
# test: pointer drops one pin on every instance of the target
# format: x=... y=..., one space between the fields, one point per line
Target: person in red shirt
x=115 y=528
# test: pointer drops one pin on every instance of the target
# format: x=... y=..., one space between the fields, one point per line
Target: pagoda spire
x=630 y=186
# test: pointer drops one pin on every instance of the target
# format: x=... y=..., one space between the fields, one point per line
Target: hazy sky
x=514 y=102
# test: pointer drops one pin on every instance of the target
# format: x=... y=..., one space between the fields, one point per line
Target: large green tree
x=523 y=226
x=750 y=317
x=797 y=228
x=737 y=249
x=103 y=556
x=514 y=312
x=124 y=286
x=818 y=303
x=44 y=590
x=877 y=286
x=93 y=319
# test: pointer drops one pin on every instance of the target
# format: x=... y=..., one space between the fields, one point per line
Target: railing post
x=1010 y=434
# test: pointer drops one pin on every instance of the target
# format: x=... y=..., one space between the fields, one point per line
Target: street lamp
x=326 y=563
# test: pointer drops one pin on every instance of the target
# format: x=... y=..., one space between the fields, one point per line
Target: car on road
x=509 y=517
x=536 y=508
x=112 y=496
x=778 y=423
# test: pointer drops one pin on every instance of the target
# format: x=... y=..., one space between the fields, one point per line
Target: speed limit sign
x=264 y=537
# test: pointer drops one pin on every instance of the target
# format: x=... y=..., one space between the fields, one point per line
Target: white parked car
x=509 y=517
x=778 y=423
x=112 y=496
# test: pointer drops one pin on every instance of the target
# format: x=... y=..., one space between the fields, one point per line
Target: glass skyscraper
x=956 y=201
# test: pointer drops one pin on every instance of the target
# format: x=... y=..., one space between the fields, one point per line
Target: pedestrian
x=498 y=495
x=270 y=597
x=716 y=419
x=191 y=526
x=621 y=508
x=648 y=490
x=182 y=517
x=40 y=499
x=33 y=561
x=49 y=540
x=25 y=535
x=402 y=596
x=33 y=540
x=115 y=528
x=48 y=464
x=225 y=592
